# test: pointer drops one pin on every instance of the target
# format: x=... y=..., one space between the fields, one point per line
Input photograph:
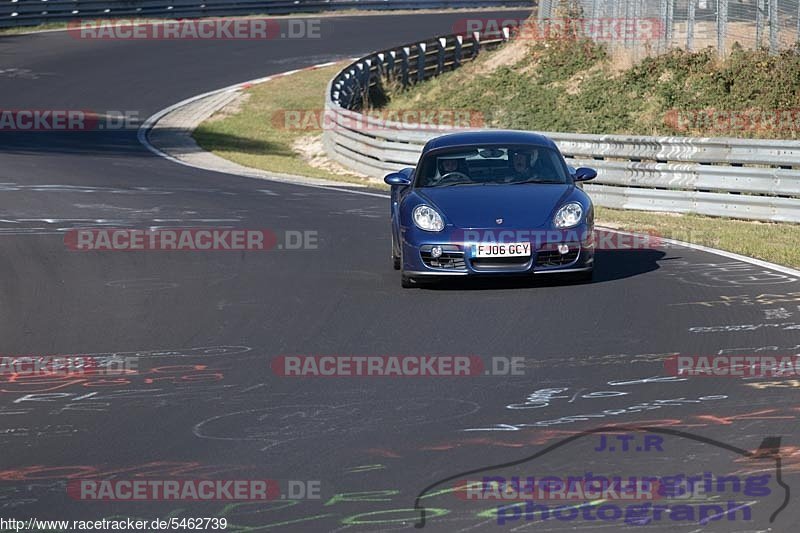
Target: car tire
x=405 y=281
x=396 y=260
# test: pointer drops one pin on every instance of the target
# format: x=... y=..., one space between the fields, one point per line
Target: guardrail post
x=336 y=91
x=363 y=84
x=380 y=66
x=353 y=86
x=476 y=43
x=388 y=71
x=406 y=52
x=421 y=48
x=457 y=51
x=440 y=55
x=367 y=75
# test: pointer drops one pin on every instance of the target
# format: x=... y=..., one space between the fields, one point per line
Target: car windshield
x=492 y=165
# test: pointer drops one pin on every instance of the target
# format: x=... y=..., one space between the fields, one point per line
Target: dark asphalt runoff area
x=368 y=452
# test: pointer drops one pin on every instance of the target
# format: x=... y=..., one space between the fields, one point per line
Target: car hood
x=479 y=206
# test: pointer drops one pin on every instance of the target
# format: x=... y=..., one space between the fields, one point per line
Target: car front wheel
x=395 y=259
x=405 y=281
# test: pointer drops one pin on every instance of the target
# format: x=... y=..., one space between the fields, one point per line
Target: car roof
x=484 y=137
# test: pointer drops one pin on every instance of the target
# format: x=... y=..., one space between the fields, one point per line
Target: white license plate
x=503 y=249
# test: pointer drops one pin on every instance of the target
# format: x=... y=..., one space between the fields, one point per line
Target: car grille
x=501 y=263
x=549 y=256
x=452 y=258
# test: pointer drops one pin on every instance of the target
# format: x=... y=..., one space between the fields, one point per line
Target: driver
x=524 y=163
x=448 y=165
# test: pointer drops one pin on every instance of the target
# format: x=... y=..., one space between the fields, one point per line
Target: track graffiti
x=727 y=328
x=156 y=469
x=636 y=408
x=748 y=300
x=278 y=425
x=39 y=432
x=59 y=403
x=172 y=374
x=728 y=274
x=543 y=397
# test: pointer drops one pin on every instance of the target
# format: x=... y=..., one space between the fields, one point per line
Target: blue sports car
x=491 y=203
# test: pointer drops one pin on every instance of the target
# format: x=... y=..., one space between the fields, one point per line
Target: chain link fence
x=645 y=27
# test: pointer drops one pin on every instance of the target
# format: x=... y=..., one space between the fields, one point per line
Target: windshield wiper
x=536 y=181
x=461 y=183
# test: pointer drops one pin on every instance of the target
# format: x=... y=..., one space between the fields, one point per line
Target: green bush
x=572 y=85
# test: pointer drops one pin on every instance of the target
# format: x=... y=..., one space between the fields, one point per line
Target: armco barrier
x=32 y=12
x=749 y=179
x=373 y=146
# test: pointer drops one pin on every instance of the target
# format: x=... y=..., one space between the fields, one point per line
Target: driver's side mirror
x=397 y=179
x=584 y=174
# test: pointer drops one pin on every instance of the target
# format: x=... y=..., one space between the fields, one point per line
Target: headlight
x=569 y=215
x=427 y=218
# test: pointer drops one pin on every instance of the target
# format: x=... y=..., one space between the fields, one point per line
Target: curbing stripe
x=144 y=129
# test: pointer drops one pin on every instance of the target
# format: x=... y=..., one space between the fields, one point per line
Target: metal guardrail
x=741 y=178
x=33 y=12
x=373 y=146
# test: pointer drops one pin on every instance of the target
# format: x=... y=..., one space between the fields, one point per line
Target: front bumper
x=458 y=256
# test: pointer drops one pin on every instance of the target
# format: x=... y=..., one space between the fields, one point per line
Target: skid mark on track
x=144 y=284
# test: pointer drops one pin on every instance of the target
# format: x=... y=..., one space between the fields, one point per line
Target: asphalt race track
x=204 y=327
